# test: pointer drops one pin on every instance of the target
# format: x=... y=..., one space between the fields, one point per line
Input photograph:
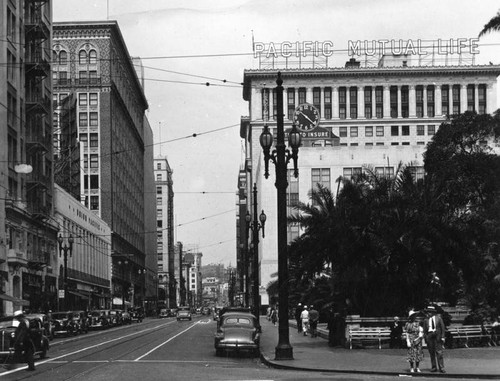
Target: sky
x=184 y=44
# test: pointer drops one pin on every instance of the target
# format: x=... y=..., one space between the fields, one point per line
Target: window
x=94 y=119
x=275 y=104
x=94 y=161
x=86 y=165
x=82 y=76
x=445 y=99
x=394 y=101
x=317 y=98
x=385 y=171
x=379 y=102
x=353 y=132
x=265 y=104
x=158 y=177
x=417 y=173
x=93 y=77
x=63 y=77
x=368 y=102
x=342 y=103
x=94 y=140
x=430 y=101
x=455 y=95
x=405 y=130
x=92 y=57
x=159 y=201
x=158 y=165
x=369 y=131
x=431 y=130
x=63 y=57
x=380 y=130
x=94 y=202
x=350 y=173
x=93 y=99
x=481 y=95
x=353 y=99
x=420 y=130
x=290 y=100
x=471 y=98
x=82 y=57
x=159 y=190
x=327 y=94
x=302 y=95
x=343 y=132
x=419 y=98
x=83 y=119
x=82 y=99
x=94 y=182
x=394 y=130
x=405 y=108
x=320 y=176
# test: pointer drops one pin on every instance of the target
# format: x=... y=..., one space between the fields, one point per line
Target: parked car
x=136 y=314
x=237 y=331
x=127 y=319
x=65 y=323
x=164 y=313
x=184 y=313
x=47 y=323
x=83 y=320
x=99 y=319
x=116 y=317
x=8 y=327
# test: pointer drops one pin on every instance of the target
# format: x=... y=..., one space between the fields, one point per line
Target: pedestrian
x=495 y=331
x=313 y=321
x=268 y=314
x=298 y=311
x=304 y=316
x=434 y=331
x=396 y=333
x=23 y=344
x=414 y=336
x=274 y=316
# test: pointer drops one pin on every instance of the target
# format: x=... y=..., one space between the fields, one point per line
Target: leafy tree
x=492 y=26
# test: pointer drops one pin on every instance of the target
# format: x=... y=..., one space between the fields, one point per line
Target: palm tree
x=492 y=26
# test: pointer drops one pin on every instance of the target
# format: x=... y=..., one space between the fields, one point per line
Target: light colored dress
x=415 y=334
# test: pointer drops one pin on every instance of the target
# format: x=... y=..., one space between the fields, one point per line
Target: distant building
x=92 y=65
x=369 y=116
x=28 y=234
x=165 y=231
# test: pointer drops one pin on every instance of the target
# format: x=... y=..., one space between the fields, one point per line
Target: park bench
x=468 y=333
x=370 y=334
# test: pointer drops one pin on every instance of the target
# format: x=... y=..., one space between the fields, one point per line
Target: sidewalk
x=314 y=354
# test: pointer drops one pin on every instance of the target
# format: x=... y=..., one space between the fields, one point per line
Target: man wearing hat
x=304 y=316
x=434 y=331
x=23 y=341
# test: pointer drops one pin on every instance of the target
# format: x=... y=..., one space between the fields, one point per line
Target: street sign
x=61 y=294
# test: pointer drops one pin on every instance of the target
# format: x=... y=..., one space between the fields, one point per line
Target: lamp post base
x=283 y=352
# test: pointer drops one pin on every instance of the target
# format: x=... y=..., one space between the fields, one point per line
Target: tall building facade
x=28 y=233
x=92 y=65
x=369 y=116
x=165 y=232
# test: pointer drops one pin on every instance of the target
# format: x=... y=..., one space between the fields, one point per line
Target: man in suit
x=434 y=331
x=396 y=333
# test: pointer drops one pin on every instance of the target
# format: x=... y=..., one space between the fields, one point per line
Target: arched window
x=54 y=56
x=63 y=57
x=82 y=57
x=92 y=57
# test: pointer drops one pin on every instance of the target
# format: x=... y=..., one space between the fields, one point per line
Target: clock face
x=306 y=117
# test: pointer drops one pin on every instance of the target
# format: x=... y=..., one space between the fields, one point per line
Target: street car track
x=99 y=363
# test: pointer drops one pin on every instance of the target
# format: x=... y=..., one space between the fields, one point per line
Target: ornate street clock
x=306 y=117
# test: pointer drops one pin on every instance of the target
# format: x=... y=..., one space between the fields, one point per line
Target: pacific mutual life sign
x=367 y=47
x=317 y=53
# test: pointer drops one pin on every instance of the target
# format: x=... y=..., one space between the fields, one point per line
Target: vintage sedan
x=99 y=319
x=184 y=313
x=237 y=331
x=65 y=323
x=8 y=327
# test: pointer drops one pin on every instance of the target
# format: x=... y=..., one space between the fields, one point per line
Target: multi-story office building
x=165 y=231
x=369 y=116
x=92 y=65
x=28 y=234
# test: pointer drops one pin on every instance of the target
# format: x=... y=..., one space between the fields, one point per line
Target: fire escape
x=38 y=111
x=38 y=137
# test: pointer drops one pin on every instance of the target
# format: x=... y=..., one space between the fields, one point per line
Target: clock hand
x=305 y=116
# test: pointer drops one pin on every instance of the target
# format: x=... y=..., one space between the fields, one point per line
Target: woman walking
x=414 y=335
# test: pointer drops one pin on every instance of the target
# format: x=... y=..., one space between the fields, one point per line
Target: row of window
x=373 y=96
x=379 y=131
x=86 y=119
x=84 y=58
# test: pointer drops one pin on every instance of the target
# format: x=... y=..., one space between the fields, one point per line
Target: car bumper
x=236 y=345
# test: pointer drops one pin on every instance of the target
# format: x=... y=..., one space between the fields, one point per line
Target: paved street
x=161 y=349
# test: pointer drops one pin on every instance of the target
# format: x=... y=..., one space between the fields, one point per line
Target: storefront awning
x=78 y=294
x=15 y=300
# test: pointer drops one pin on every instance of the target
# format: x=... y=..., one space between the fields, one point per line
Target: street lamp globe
x=294 y=138
x=266 y=138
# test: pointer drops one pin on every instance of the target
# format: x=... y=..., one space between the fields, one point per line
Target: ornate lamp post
x=255 y=226
x=281 y=157
x=64 y=250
